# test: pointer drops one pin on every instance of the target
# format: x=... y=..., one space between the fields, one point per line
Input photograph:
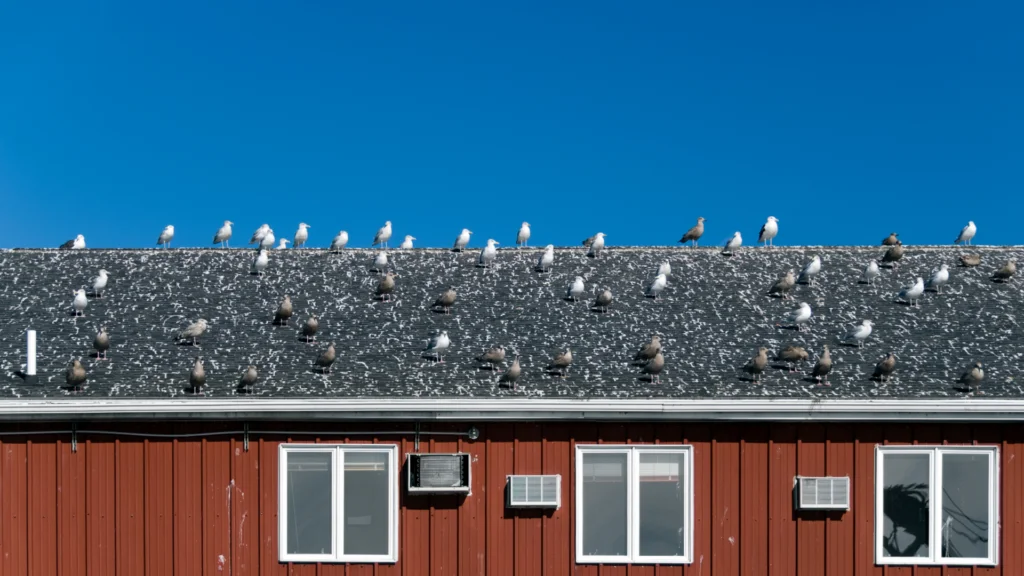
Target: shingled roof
x=712 y=317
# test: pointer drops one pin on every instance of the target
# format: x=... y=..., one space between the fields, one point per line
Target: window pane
x=965 y=512
x=604 y=504
x=905 y=505
x=662 y=504
x=366 y=507
x=309 y=503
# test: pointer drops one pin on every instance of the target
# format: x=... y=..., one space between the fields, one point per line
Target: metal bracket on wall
x=74 y=437
x=245 y=436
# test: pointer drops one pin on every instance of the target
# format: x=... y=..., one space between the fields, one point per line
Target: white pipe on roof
x=30 y=352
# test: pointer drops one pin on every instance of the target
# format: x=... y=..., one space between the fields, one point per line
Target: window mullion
x=633 y=491
x=337 y=500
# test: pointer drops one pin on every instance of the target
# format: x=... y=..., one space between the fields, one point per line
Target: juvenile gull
x=260 y=262
x=193 y=331
x=970 y=260
x=859 y=334
x=407 y=243
x=197 y=376
x=301 y=235
x=223 y=234
x=810 y=270
x=437 y=345
x=655 y=287
x=769 y=231
x=511 y=376
x=268 y=239
x=462 y=240
x=822 y=367
x=258 y=235
x=649 y=350
x=380 y=262
x=248 y=379
x=654 y=367
x=966 y=234
x=386 y=287
x=912 y=294
x=575 y=289
x=524 y=234
x=560 y=364
x=445 y=300
x=694 y=234
x=939 y=277
x=893 y=255
x=733 y=244
x=783 y=286
x=597 y=245
x=756 y=365
x=284 y=311
x=1006 y=272
x=282 y=244
x=492 y=357
x=871 y=272
x=603 y=300
x=891 y=240
x=75 y=375
x=165 y=237
x=487 y=254
x=383 y=235
x=792 y=355
x=546 y=259
x=79 y=302
x=799 y=317
x=326 y=359
x=99 y=283
x=101 y=343
x=310 y=328
x=884 y=368
x=973 y=377
x=76 y=243
x=339 y=242
x=664 y=268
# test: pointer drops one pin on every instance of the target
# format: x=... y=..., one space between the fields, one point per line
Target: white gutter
x=472 y=409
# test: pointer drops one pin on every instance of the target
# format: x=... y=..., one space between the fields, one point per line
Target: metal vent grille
x=438 y=472
x=536 y=491
x=824 y=493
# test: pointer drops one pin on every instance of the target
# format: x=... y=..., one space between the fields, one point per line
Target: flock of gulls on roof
x=649 y=359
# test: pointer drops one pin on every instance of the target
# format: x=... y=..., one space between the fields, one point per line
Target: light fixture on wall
x=473 y=433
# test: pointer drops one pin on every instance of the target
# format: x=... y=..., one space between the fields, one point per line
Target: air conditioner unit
x=823 y=493
x=536 y=491
x=438 y=472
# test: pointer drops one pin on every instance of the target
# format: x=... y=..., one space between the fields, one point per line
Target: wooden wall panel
x=867 y=437
x=415 y=530
x=100 y=486
x=42 y=505
x=699 y=436
x=782 y=461
x=13 y=508
x=159 y=508
x=473 y=512
x=129 y=500
x=839 y=526
x=529 y=538
x=188 y=507
x=810 y=526
x=725 y=494
x=71 y=509
x=500 y=525
x=556 y=457
x=754 y=501
x=245 y=509
x=444 y=513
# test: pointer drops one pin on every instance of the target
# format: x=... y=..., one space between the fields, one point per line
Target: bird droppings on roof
x=712 y=317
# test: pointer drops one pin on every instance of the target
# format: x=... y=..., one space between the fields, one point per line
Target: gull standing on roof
x=407 y=243
x=99 y=283
x=769 y=231
x=810 y=270
x=248 y=379
x=383 y=235
x=258 y=235
x=79 y=302
x=268 y=240
x=193 y=331
x=973 y=377
x=603 y=300
x=799 y=317
x=223 y=234
x=301 y=235
x=891 y=240
x=260 y=262
x=165 y=237
x=76 y=243
x=1006 y=272
x=512 y=374
x=939 y=277
x=885 y=367
x=561 y=363
x=197 y=376
x=310 y=328
x=326 y=359
x=966 y=234
x=282 y=244
x=487 y=254
x=655 y=287
x=523 y=235
x=380 y=262
x=859 y=333
x=75 y=375
x=649 y=350
x=546 y=259
x=462 y=240
x=575 y=289
x=756 y=365
x=694 y=234
x=339 y=242
x=871 y=272
x=284 y=311
x=970 y=260
x=733 y=244
x=597 y=245
x=492 y=357
x=893 y=255
x=822 y=367
x=101 y=343
x=912 y=293
x=386 y=287
x=654 y=367
x=446 y=300
x=437 y=346
x=783 y=286
x=792 y=355
x=664 y=268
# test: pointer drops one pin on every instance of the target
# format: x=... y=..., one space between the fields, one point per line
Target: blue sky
x=844 y=120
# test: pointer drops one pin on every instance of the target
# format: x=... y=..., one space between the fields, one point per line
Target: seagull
x=756 y=365
x=939 y=277
x=493 y=357
x=575 y=289
x=648 y=350
x=437 y=345
x=284 y=312
x=655 y=287
x=523 y=235
x=79 y=302
x=912 y=293
x=487 y=254
x=101 y=343
x=165 y=237
x=769 y=231
x=810 y=270
x=248 y=379
x=893 y=255
x=597 y=245
x=326 y=359
x=546 y=259
x=258 y=235
x=603 y=300
x=884 y=368
x=792 y=355
x=301 y=235
x=561 y=363
x=799 y=317
x=694 y=234
x=970 y=260
x=193 y=331
x=891 y=240
x=310 y=328
x=653 y=367
x=822 y=367
x=386 y=287
x=383 y=235
x=282 y=244
x=268 y=240
x=77 y=243
x=407 y=243
x=380 y=262
x=99 y=283
x=966 y=234
x=339 y=242
x=733 y=244
x=512 y=374
x=1006 y=272
x=973 y=377
x=75 y=375
x=445 y=300
x=871 y=272
x=860 y=333
x=462 y=240
x=783 y=286
x=197 y=376
x=260 y=262
x=223 y=234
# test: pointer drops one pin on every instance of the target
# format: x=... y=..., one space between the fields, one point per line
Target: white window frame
x=935 y=455
x=337 y=452
x=633 y=451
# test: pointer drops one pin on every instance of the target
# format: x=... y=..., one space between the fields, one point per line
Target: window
x=936 y=505
x=338 y=503
x=634 y=504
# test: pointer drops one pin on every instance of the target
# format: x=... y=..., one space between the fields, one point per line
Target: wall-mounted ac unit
x=438 y=473
x=823 y=493
x=536 y=491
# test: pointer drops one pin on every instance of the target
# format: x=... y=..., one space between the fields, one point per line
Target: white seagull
x=223 y=234
x=798 y=317
x=523 y=235
x=733 y=244
x=258 y=235
x=383 y=235
x=966 y=234
x=77 y=243
x=860 y=333
x=438 y=345
x=260 y=262
x=461 y=241
x=282 y=244
x=301 y=235
x=769 y=231
x=655 y=287
x=871 y=272
x=380 y=263
x=939 y=277
x=407 y=243
x=268 y=239
x=339 y=241
x=546 y=259
x=810 y=270
x=597 y=245
x=665 y=268
x=913 y=293
x=79 y=302
x=165 y=237
x=99 y=283
x=575 y=289
x=488 y=254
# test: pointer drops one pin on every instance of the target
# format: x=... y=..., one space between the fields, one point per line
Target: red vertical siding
x=557 y=459
x=100 y=483
x=754 y=503
x=500 y=525
x=129 y=499
x=839 y=527
x=863 y=506
x=188 y=508
x=14 y=508
x=71 y=509
x=42 y=506
x=810 y=526
x=529 y=537
x=699 y=436
x=725 y=494
x=159 y=508
x=782 y=519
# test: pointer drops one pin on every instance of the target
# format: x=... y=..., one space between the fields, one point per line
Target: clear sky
x=844 y=120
